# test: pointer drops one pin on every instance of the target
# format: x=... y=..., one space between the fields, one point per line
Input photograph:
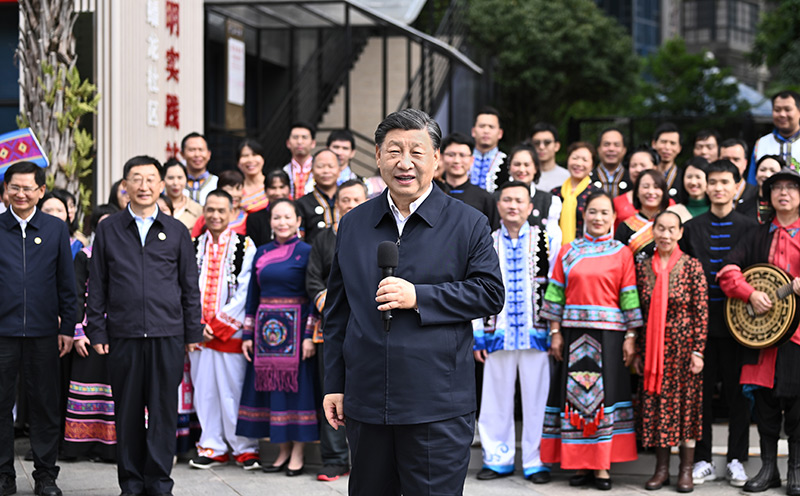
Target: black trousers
x=413 y=460
x=772 y=412
x=332 y=442
x=145 y=373
x=722 y=362
x=39 y=360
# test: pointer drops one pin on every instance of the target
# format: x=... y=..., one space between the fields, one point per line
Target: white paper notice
x=236 y=56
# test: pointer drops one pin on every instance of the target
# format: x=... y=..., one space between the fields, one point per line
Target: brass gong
x=774 y=327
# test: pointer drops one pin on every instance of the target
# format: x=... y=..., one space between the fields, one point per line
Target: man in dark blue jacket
x=408 y=395
x=143 y=310
x=37 y=288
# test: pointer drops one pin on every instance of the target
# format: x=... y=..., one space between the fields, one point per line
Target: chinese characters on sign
x=170 y=118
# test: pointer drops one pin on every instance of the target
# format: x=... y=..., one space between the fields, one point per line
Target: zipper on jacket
x=144 y=295
x=24 y=285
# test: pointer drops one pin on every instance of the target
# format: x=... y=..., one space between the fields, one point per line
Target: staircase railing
x=428 y=87
x=315 y=87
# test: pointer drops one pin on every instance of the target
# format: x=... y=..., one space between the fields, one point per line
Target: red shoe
x=249 y=461
x=331 y=473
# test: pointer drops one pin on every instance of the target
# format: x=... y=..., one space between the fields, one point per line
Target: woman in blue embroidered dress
x=279 y=393
x=593 y=308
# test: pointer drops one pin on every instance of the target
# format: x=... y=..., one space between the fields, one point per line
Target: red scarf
x=657 y=322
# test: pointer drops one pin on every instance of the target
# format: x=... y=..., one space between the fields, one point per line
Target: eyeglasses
x=538 y=143
x=138 y=180
x=459 y=155
x=14 y=189
x=786 y=187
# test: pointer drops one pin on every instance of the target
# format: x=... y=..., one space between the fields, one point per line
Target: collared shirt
x=23 y=223
x=143 y=223
x=398 y=217
x=481 y=165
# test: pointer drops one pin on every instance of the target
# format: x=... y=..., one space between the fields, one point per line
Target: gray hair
x=408 y=120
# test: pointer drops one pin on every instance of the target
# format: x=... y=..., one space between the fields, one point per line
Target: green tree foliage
x=778 y=43
x=551 y=55
x=54 y=96
x=680 y=83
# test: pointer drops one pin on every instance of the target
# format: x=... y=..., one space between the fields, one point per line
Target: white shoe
x=704 y=471
x=736 y=474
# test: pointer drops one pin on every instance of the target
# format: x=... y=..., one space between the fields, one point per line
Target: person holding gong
x=773 y=371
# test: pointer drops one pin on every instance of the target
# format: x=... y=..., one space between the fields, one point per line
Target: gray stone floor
x=95 y=479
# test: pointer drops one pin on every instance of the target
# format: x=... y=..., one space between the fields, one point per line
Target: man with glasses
x=143 y=311
x=544 y=139
x=38 y=306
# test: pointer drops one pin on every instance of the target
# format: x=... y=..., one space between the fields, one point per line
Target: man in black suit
x=37 y=288
x=144 y=310
x=408 y=395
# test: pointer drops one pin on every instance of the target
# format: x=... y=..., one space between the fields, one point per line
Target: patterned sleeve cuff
x=79 y=332
x=311 y=324
x=551 y=311
x=633 y=318
x=247 y=329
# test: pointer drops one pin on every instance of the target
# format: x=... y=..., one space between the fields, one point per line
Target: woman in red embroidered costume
x=593 y=308
x=673 y=290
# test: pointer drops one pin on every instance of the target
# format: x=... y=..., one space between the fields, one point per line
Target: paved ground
x=95 y=479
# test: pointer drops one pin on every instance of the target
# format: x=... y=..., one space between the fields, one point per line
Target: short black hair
x=526 y=146
x=409 y=120
x=285 y=200
x=707 y=133
x=777 y=158
x=608 y=130
x=661 y=183
x=350 y=183
x=98 y=212
x=140 y=160
x=788 y=94
x=601 y=193
x=724 y=165
x=278 y=174
x=731 y=142
x=645 y=148
x=459 y=139
x=221 y=193
x=190 y=136
x=699 y=163
x=173 y=162
x=253 y=145
x=341 y=135
x=303 y=125
x=540 y=127
x=658 y=215
x=26 y=167
x=230 y=177
x=511 y=183
x=321 y=151
x=488 y=110
x=112 y=195
x=50 y=196
x=667 y=127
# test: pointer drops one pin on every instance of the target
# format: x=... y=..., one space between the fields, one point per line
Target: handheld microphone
x=387 y=261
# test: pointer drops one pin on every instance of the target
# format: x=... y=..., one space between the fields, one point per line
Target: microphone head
x=387 y=254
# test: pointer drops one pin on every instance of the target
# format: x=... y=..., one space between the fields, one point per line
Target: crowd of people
x=192 y=312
